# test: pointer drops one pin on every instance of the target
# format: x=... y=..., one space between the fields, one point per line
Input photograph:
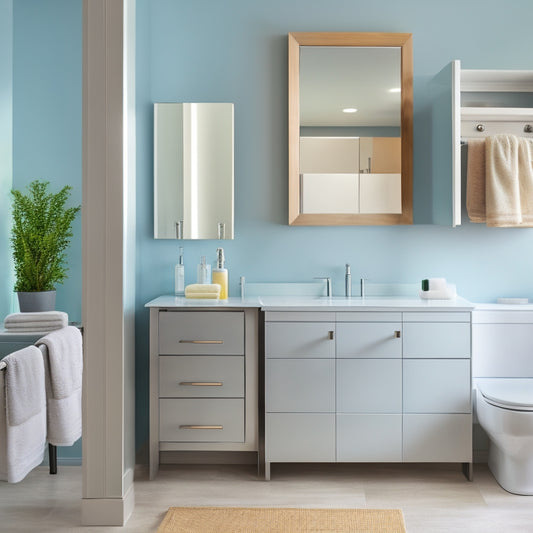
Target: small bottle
x=348 y=282
x=220 y=274
x=203 y=272
x=179 y=275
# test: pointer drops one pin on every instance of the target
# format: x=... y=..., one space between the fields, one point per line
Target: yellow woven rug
x=276 y=520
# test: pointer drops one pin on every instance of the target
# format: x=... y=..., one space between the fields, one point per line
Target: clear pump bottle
x=203 y=272
x=179 y=275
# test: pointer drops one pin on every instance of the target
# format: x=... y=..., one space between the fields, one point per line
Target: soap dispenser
x=179 y=275
x=220 y=274
x=203 y=272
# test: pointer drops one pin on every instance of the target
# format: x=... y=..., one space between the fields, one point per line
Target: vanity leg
x=468 y=471
x=267 y=471
x=52 y=458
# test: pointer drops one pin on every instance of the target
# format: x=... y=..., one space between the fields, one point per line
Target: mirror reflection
x=350 y=128
x=193 y=171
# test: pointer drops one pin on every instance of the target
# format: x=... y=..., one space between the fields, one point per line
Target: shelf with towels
x=469 y=104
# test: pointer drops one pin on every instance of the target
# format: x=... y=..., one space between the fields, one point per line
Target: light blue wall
x=47 y=113
x=6 y=152
x=236 y=51
x=47 y=124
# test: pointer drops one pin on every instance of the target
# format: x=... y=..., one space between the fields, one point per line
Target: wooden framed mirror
x=350 y=129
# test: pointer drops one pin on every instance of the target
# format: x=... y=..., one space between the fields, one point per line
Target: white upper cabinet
x=468 y=104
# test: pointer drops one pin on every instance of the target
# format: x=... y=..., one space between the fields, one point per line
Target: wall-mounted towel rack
x=483 y=121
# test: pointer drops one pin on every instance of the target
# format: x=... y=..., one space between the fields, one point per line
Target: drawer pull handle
x=201 y=383
x=397 y=334
x=182 y=341
x=196 y=426
x=330 y=335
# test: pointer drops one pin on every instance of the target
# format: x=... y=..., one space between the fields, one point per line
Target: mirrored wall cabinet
x=193 y=171
x=350 y=129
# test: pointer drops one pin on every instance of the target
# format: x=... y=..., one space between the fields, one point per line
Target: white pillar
x=108 y=269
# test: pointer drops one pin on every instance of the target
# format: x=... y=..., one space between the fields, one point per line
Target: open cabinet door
x=446 y=145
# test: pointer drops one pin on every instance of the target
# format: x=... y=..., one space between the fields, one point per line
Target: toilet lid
x=509 y=393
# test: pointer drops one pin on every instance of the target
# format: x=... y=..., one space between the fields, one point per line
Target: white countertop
x=299 y=303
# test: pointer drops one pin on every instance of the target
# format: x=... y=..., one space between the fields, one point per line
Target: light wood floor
x=434 y=498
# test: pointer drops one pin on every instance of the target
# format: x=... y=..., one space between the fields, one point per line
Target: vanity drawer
x=436 y=339
x=300 y=339
x=201 y=420
x=201 y=376
x=369 y=339
x=201 y=332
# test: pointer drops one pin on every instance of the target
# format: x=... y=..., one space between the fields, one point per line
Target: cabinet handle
x=397 y=334
x=183 y=341
x=331 y=335
x=201 y=383
x=196 y=426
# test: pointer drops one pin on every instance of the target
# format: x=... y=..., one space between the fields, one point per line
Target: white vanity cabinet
x=367 y=386
x=203 y=381
x=299 y=387
x=437 y=420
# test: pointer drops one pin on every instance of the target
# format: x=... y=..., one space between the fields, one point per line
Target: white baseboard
x=108 y=511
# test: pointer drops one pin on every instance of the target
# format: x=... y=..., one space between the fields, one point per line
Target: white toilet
x=504 y=408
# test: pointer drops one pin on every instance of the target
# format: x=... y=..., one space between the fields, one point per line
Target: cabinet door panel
x=369 y=339
x=437 y=438
x=369 y=386
x=436 y=386
x=369 y=437
x=300 y=437
x=300 y=339
x=201 y=376
x=300 y=385
x=439 y=340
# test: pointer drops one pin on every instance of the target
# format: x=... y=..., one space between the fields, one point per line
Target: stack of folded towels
x=203 y=290
x=44 y=321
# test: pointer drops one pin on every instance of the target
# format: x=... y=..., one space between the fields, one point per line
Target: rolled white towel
x=437 y=284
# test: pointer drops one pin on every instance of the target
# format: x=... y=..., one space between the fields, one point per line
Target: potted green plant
x=40 y=234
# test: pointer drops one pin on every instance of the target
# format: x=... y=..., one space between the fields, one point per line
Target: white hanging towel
x=63 y=369
x=22 y=414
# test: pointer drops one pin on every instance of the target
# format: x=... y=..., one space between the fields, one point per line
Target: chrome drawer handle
x=331 y=335
x=195 y=426
x=397 y=334
x=182 y=341
x=201 y=383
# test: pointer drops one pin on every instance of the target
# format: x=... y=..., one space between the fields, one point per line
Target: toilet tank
x=502 y=341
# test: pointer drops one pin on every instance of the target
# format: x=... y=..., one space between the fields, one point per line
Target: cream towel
x=509 y=185
x=23 y=418
x=475 y=180
x=203 y=290
x=63 y=354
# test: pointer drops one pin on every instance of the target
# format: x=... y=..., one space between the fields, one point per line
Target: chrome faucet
x=348 y=282
x=363 y=287
x=328 y=285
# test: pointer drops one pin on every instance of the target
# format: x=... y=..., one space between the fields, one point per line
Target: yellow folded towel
x=475 y=180
x=203 y=290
